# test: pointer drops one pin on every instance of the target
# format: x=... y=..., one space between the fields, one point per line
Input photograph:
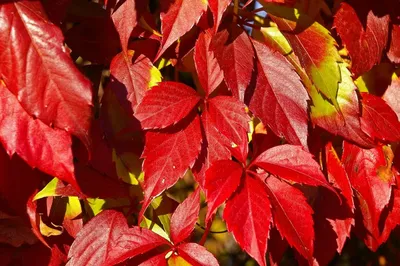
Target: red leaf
x=167 y=156
x=337 y=175
x=185 y=217
x=392 y=96
x=166 y=104
x=132 y=74
x=359 y=40
x=40 y=72
x=38 y=144
x=218 y=8
x=125 y=19
x=236 y=59
x=378 y=119
x=107 y=240
x=197 y=255
x=292 y=215
x=371 y=177
x=248 y=216
x=179 y=19
x=293 y=164
x=222 y=179
x=280 y=103
x=393 y=218
x=210 y=75
x=230 y=118
x=214 y=148
x=394 y=50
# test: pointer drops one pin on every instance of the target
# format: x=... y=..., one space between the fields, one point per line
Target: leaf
x=293 y=164
x=185 y=217
x=214 y=148
x=179 y=19
x=107 y=240
x=359 y=40
x=167 y=156
x=280 y=103
x=125 y=19
x=314 y=46
x=247 y=214
x=378 y=119
x=292 y=215
x=371 y=177
x=337 y=175
x=42 y=147
x=345 y=123
x=230 y=118
x=196 y=254
x=166 y=104
x=133 y=75
x=394 y=50
x=208 y=70
x=393 y=217
x=218 y=8
x=222 y=179
x=236 y=59
x=392 y=96
x=14 y=231
x=42 y=76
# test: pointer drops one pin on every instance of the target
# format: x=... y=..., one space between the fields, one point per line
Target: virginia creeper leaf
x=393 y=218
x=314 y=46
x=230 y=118
x=280 y=103
x=222 y=179
x=293 y=164
x=337 y=175
x=218 y=8
x=214 y=148
x=133 y=74
x=185 y=217
x=394 y=50
x=371 y=177
x=42 y=147
x=292 y=215
x=107 y=240
x=236 y=59
x=365 y=45
x=378 y=119
x=179 y=19
x=347 y=122
x=167 y=155
x=166 y=104
x=37 y=69
x=125 y=19
x=197 y=255
x=210 y=75
x=248 y=216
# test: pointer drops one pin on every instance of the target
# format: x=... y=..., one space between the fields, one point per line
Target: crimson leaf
x=197 y=255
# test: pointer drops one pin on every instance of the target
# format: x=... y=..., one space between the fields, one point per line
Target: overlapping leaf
x=222 y=179
x=107 y=240
x=292 y=215
x=248 y=217
x=125 y=19
x=378 y=119
x=359 y=40
x=392 y=96
x=167 y=156
x=218 y=8
x=394 y=50
x=236 y=59
x=208 y=70
x=179 y=19
x=37 y=69
x=196 y=254
x=280 y=103
x=314 y=46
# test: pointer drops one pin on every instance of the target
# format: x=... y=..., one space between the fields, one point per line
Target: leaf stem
x=235 y=10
